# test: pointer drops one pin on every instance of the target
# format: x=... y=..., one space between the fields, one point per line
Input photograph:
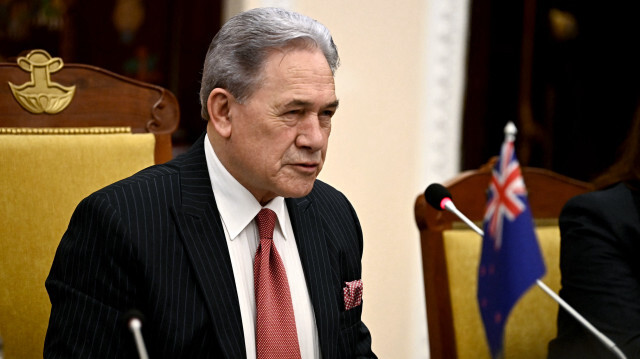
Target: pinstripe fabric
x=155 y=242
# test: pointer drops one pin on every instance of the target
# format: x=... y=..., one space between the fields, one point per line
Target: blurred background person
x=599 y=254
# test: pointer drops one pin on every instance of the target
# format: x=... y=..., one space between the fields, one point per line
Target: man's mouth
x=307 y=167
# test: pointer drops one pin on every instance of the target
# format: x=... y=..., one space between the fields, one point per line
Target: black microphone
x=133 y=319
x=439 y=198
x=436 y=194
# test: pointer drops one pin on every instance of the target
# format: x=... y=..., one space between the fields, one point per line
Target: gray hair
x=237 y=53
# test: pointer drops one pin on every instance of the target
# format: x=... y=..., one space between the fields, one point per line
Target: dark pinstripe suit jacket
x=155 y=242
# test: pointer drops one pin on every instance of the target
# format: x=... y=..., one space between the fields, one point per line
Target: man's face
x=279 y=136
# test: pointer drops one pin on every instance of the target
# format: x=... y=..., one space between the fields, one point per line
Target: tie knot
x=266 y=219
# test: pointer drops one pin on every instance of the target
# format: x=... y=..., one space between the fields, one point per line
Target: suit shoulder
x=149 y=174
x=151 y=181
x=613 y=208
x=606 y=200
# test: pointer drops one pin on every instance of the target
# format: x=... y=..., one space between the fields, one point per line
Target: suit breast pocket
x=351 y=317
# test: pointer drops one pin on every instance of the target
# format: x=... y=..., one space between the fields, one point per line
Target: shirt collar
x=237 y=206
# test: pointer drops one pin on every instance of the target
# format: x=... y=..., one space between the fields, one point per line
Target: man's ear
x=219 y=106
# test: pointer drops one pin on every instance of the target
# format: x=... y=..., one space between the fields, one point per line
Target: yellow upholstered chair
x=65 y=131
x=450 y=256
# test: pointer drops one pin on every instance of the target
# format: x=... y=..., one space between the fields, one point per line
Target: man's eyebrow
x=333 y=104
x=301 y=103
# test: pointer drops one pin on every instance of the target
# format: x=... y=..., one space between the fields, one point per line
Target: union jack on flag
x=507 y=190
x=511 y=261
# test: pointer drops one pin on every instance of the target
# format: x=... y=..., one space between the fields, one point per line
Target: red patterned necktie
x=276 y=335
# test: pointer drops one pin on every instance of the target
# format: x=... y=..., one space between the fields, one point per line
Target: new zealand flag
x=511 y=261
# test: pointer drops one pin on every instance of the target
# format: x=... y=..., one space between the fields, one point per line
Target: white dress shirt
x=238 y=209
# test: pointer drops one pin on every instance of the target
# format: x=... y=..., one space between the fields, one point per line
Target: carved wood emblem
x=41 y=95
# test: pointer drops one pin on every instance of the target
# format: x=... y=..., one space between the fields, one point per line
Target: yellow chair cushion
x=42 y=179
x=532 y=322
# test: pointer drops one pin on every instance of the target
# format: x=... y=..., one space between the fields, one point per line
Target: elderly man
x=233 y=249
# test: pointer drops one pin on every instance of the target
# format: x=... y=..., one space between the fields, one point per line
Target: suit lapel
x=309 y=231
x=203 y=236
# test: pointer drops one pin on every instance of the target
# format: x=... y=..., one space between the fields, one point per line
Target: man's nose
x=312 y=133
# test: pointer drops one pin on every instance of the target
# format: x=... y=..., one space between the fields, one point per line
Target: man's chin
x=299 y=190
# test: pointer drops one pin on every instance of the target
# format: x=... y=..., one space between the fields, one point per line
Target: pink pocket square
x=352 y=294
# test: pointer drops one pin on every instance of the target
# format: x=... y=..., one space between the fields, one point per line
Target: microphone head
x=130 y=315
x=435 y=193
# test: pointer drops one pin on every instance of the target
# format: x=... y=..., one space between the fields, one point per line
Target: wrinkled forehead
x=278 y=64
